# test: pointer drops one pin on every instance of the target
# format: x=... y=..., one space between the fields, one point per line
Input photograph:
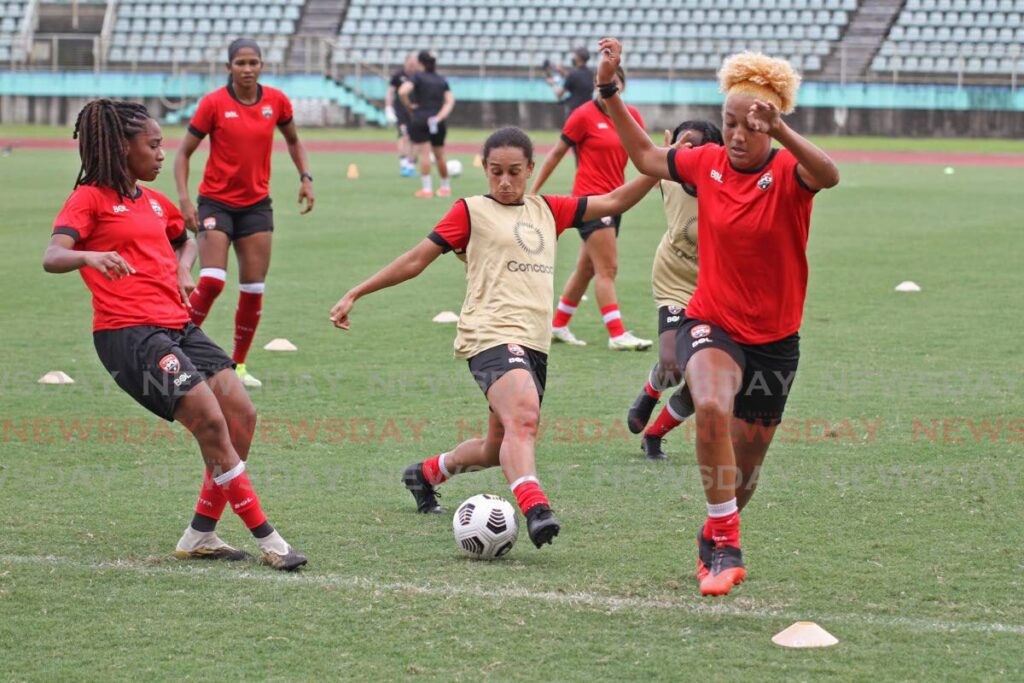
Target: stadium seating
x=953 y=36
x=166 y=31
x=471 y=33
x=12 y=24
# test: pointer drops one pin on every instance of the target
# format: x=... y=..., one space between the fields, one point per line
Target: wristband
x=305 y=176
x=607 y=90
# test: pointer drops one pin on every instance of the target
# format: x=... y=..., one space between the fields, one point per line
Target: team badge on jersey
x=675 y=310
x=529 y=237
x=267 y=111
x=765 y=181
x=170 y=364
x=700 y=331
x=516 y=350
x=209 y=223
x=157 y=209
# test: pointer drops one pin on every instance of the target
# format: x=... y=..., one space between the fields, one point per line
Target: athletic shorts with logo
x=235 y=222
x=156 y=365
x=768 y=369
x=590 y=227
x=670 y=318
x=491 y=365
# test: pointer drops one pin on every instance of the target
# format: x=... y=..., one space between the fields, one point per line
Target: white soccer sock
x=428 y=185
x=230 y=474
x=215 y=273
x=446 y=183
x=252 y=287
x=722 y=509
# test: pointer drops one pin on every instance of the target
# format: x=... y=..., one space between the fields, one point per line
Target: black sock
x=203 y=523
x=263 y=530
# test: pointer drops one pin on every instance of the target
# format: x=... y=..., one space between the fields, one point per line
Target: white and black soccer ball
x=485 y=527
x=454 y=168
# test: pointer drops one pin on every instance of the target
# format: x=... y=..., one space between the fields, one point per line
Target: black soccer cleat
x=727 y=570
x=705 y=555
x=421 y=490
x=640 y=412
x=541 y=524
x=651 y=446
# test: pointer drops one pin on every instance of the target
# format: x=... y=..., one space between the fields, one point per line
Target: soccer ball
x=485 y=527
x=454 y=168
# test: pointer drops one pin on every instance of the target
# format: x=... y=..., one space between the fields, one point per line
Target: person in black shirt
x=578 y=86
x=429 y=101
x=396 y=113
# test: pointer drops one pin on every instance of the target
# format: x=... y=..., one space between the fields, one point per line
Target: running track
x=387 y=147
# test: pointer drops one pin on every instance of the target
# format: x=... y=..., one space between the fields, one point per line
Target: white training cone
x=56 y=377
x=446 y=317
x=908 y=286
x=280 y=345
x=804 y=634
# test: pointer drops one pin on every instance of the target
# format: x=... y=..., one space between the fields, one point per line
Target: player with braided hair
x=739 y=345
x=130 y=246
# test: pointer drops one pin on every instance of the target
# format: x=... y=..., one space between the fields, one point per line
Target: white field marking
x=698 y=606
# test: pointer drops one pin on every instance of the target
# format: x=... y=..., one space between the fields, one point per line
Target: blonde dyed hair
x=757 y=75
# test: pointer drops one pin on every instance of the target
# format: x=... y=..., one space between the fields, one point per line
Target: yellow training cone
x=353 y=172
x=477 y=161
x=804 y=634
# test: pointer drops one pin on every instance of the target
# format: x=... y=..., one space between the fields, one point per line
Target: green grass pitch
x=889 y=511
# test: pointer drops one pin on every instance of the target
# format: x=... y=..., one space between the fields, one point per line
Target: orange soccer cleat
x=727 y=570
x=444 y=192
x=705 y=555
x=424 y=194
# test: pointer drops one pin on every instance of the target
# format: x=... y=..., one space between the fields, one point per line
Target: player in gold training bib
x=504 y=328
x=673 y=279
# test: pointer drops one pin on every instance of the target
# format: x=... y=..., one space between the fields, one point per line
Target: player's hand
x=306 y=193
x=110 y=263
x=764 y=117
x=339 y=314
x=190 y=214
x=611 y=57
x=389 y=114
x=685 y=140
x=185 y=285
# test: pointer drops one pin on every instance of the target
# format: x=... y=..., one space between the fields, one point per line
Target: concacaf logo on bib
x=700 y=331
x=529 y=237
x=516 y=350
x=157 y=209
x=170 y=364
x=267 y=112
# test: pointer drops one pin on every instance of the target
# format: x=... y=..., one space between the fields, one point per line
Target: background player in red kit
x=234 y=197
x=739 y=344
x=503 y=330
x=601 y=166
x=130 y=246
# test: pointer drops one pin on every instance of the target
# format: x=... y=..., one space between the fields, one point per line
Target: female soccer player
x=673 y=279
x=130 y=245
x=429 y=100
x=739 y=345
x=503 y=329
x=601 y=166
x=234 y=197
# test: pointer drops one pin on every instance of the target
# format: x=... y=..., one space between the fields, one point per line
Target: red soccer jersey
x=600 y=157
x=142 y=231
x=241 y=138
x=752 y=229
x=453 y=231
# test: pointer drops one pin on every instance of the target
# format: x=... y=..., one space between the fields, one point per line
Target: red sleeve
x=452 y=233
x=78 y=217
x=568 y=211
x=201 y=124
x=175 y=222
x=286 y=115
x=574 y=129
x=684 y=164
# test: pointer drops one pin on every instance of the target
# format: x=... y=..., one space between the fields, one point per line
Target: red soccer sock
x=724 y=530
x=564 y=313
x=432 y=470
x=613 y=320
x=652 y=392
x=665 y=423
x=202 y=297
x=247 y=317
x=211 y=498
x=244 y=501
x=529 y=494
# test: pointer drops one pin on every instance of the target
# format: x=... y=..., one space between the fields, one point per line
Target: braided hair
x=101 y=130
x=708 y=131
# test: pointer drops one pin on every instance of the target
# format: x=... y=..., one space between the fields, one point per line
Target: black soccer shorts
x=235 y=222
x=491 y=365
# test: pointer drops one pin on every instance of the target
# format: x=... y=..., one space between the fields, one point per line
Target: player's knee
x=713 y=409
x=209 y=427
x=524 y=422
x=608 y=269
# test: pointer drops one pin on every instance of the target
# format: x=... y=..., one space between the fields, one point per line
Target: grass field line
x=696 y=606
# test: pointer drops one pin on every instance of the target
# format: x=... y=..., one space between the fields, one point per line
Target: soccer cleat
x=196 y=545
x=424 y=194
x=627 y=341
x=541 y=524
x=651 y=446
x=705 y=555
x=407 y=171
x=562 y=334
x=247 y=379
x=726 y=571
x=444 y=192
x=640 y=412
x=421 y=490
x=289 y=561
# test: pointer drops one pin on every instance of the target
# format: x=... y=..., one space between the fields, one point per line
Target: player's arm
x=446 y=108
x=815 y=168
x=185 y=251
x=389 y=104
x=405 y=267
x=404 y=93
x=648 y=158
x=62 y=257
x=551 y=162
x=620 y=200
x=188 y=146
x=298 y=154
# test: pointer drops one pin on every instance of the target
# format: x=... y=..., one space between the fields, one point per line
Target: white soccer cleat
x=628 y=342
x=562 y=334
x=198 y=545
x=247 y=379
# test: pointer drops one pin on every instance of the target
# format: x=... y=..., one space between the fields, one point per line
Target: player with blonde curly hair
x=739 y=343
